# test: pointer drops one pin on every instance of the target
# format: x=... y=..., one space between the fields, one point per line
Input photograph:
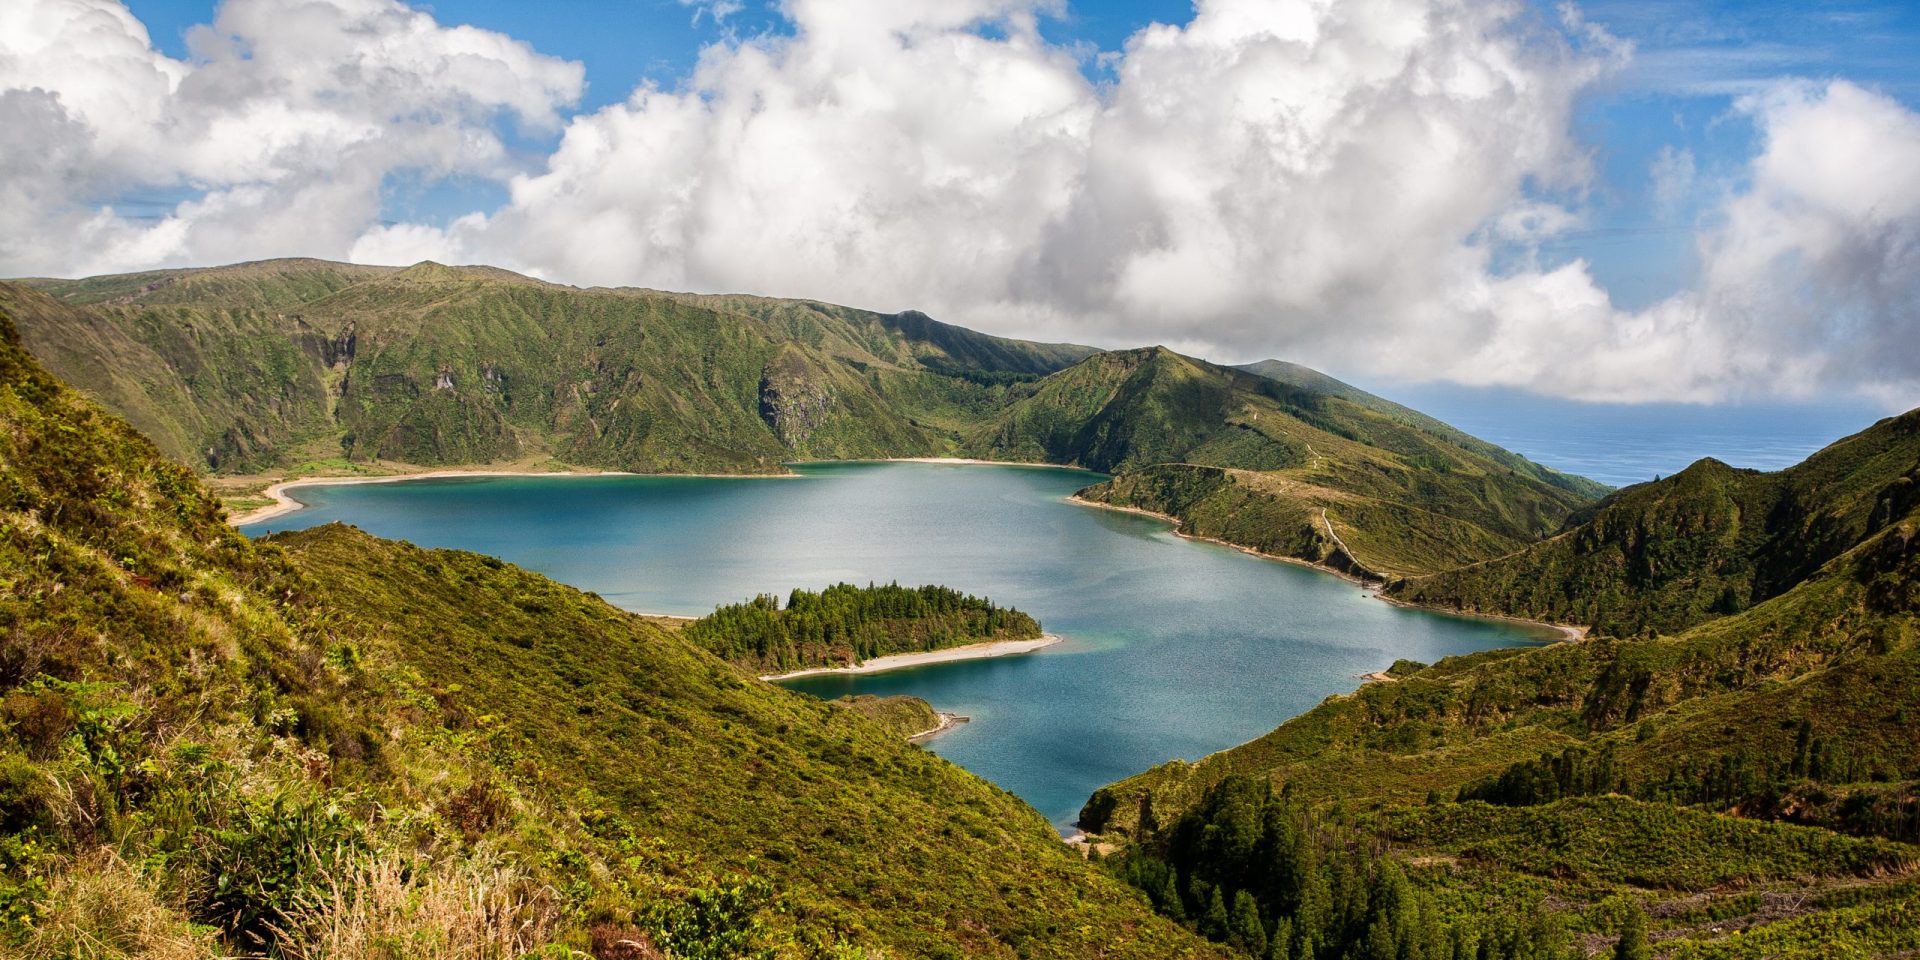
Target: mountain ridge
x=1708 y=541
x=327 y=368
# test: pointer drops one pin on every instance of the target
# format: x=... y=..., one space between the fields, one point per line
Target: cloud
x=1275 y=175
x=1809 y=283
x=1673 y=175
x=1364 y=185
x=282 y=125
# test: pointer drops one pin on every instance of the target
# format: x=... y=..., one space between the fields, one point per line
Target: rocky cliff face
x=795 y=398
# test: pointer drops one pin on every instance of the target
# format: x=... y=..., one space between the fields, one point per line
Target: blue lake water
x=1173 y=648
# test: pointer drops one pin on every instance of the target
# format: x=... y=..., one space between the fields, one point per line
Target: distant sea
x=1621 y=444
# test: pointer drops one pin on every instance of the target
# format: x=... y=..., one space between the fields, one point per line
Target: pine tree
x=1632 y=944
x=1213 y=923
x=1248 y=931
x=1280 y=945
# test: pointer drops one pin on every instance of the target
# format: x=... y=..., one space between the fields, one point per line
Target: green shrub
x=262 y=861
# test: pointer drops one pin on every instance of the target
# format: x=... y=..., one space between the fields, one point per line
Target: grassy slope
x=441 y=751
x=1309 y=471
x=1706 y=542
x=248 y=368
x=1711 y=712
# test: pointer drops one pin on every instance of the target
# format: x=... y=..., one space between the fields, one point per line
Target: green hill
x=328 y=744
x=1311 y=469
x=1709 y=541
x=1751 y=781
x=309 y=367
x=257 y=366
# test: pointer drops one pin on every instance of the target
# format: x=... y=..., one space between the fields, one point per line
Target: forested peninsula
x=845 y=625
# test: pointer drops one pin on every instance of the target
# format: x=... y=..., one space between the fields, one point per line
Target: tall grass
x=392 y=906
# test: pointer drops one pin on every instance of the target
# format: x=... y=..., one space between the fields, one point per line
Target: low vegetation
x=1741 y=787
x=905 y=716
x=331 y=745
x=283 y=366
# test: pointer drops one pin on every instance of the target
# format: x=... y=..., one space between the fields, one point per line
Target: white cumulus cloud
x=1275 y=176
x=1809 y=282
x=1358 y=184
x=281 y=125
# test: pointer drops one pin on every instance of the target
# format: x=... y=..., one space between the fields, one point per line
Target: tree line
x=1260 y=872
x=845 y=624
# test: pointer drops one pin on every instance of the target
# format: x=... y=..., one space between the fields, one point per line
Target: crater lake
x=1172 y=648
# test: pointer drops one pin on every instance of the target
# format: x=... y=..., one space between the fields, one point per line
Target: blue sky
x=1672 y=205
x=1692 y=59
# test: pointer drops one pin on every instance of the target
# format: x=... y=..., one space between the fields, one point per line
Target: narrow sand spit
x=284 y=504
x=947 y=722
x=973 y=651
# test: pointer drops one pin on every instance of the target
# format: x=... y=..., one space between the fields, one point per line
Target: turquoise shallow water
x=1173 y=648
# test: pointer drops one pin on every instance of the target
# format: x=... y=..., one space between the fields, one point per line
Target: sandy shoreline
x=897 y=661
x=947 y=722
x=1243 y=548
x=284 y=504
x=1567 y=632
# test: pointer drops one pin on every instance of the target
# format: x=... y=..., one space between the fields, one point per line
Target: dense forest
x=1265 y=874
x=846 y=625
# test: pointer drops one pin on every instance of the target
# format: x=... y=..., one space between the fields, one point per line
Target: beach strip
x=283 y=504
x=898 y=661
x=947 y=722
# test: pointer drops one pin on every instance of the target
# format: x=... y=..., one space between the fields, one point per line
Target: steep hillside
x=310 y=367
x=1312 y=472
x=1483 y=775
x=334 y=745
x=1709 y=541
x=244 y=368
x=1314 y=382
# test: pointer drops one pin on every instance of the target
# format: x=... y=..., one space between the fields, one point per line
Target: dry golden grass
x=103 y=909
x=393 y=908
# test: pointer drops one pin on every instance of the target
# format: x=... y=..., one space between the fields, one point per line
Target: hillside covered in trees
x=1709 y=541
x=845 y=625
